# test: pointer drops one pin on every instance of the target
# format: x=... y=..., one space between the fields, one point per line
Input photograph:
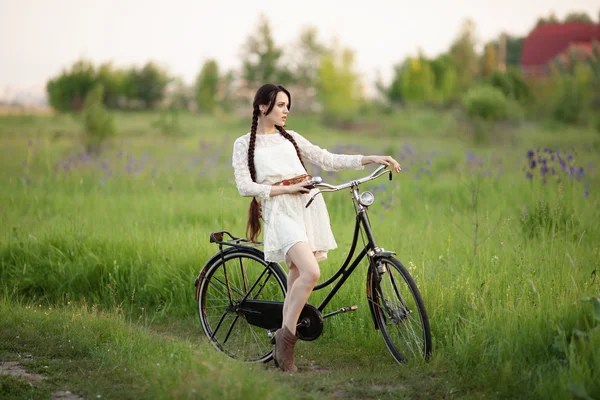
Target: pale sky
x=40 y=37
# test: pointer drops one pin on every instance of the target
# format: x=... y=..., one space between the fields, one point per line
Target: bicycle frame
x=370 y=250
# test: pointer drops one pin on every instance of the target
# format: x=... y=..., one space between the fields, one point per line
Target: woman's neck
x=265 y=128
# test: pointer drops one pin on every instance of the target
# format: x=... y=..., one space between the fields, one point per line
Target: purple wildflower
x=530 y=154
x=562 y=163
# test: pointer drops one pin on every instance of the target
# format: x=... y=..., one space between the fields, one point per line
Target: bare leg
x=308 y=271
x=291 y=278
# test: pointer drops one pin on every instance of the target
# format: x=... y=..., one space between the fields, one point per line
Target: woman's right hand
x=298 y=188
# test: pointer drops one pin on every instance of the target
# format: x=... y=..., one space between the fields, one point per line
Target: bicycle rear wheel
x=398 y=310
x=236 y=276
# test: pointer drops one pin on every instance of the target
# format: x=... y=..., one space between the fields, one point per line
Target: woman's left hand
x=383 y=160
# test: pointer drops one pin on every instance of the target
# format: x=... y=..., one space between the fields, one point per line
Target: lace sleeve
x=326 y=160
x=243 y=180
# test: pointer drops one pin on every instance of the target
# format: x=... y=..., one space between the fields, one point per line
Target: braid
x=289 y=137
x=253 y=226
x=252 y=143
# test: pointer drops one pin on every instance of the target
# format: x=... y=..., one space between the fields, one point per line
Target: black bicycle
x=240 y=295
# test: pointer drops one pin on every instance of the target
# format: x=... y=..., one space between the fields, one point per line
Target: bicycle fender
x=370 y=296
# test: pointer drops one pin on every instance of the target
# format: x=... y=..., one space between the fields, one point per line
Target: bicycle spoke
x=218 y=325
x=230 y=329
x=244 y=275
x=225 y=285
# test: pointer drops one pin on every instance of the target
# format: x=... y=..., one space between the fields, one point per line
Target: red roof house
x=547 y=42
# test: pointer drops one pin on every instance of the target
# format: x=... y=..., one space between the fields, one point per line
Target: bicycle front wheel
x=398 y=310
x=233 y=278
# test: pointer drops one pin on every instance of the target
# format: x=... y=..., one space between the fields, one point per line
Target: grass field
x=103 y=250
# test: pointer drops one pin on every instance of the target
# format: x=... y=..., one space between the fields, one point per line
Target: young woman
x=299 y=236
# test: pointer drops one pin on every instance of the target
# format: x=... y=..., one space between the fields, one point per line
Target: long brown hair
x=266 y=94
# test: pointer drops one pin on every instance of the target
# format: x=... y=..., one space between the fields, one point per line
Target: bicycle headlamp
x=366 y=198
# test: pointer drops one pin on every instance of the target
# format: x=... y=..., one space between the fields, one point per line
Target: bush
x=486 y=102
x=570 y=105
x=512 y=84
x=98 y=123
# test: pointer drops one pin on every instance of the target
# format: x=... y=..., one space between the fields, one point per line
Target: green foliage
x=578 y=17
x=394 y=92
x=486 y=102
x=549 y=218
x=550 y=19
x=98 y=124
x=146 y=85
x=575 y=91
x=596 y=123
x=138 y=88
x=14 y=388
x=113 y=82
x=207 y=86
x=67 y=91
x=338 y=86
x=514 y=46
x=512 y=84
x=417 y=81
x=464 y=56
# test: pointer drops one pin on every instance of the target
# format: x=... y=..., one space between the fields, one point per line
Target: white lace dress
x=286 y=220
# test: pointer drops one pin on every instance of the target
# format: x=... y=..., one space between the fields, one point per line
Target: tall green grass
x=507 y=265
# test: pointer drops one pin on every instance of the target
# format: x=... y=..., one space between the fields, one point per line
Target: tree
x=67 y=91
x=338 y=85
x=446 y=83
x=464 y=56
x=394 y=92
x=207 y=86
x=514 y=47
x=97 y=122
x=260 y=56
x=578 y=17
x=112 y=80
x=146 y=85
x=418 y=81
x=551 y=19
x=489 y=61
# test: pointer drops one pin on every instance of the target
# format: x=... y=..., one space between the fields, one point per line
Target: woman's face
x=279 y=113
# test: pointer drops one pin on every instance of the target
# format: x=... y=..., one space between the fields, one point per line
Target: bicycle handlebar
x=317 y=182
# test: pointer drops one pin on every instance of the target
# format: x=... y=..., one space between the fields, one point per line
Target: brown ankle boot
x=283 y=353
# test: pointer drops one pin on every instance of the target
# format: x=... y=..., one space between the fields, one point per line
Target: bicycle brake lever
x=311 y=199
